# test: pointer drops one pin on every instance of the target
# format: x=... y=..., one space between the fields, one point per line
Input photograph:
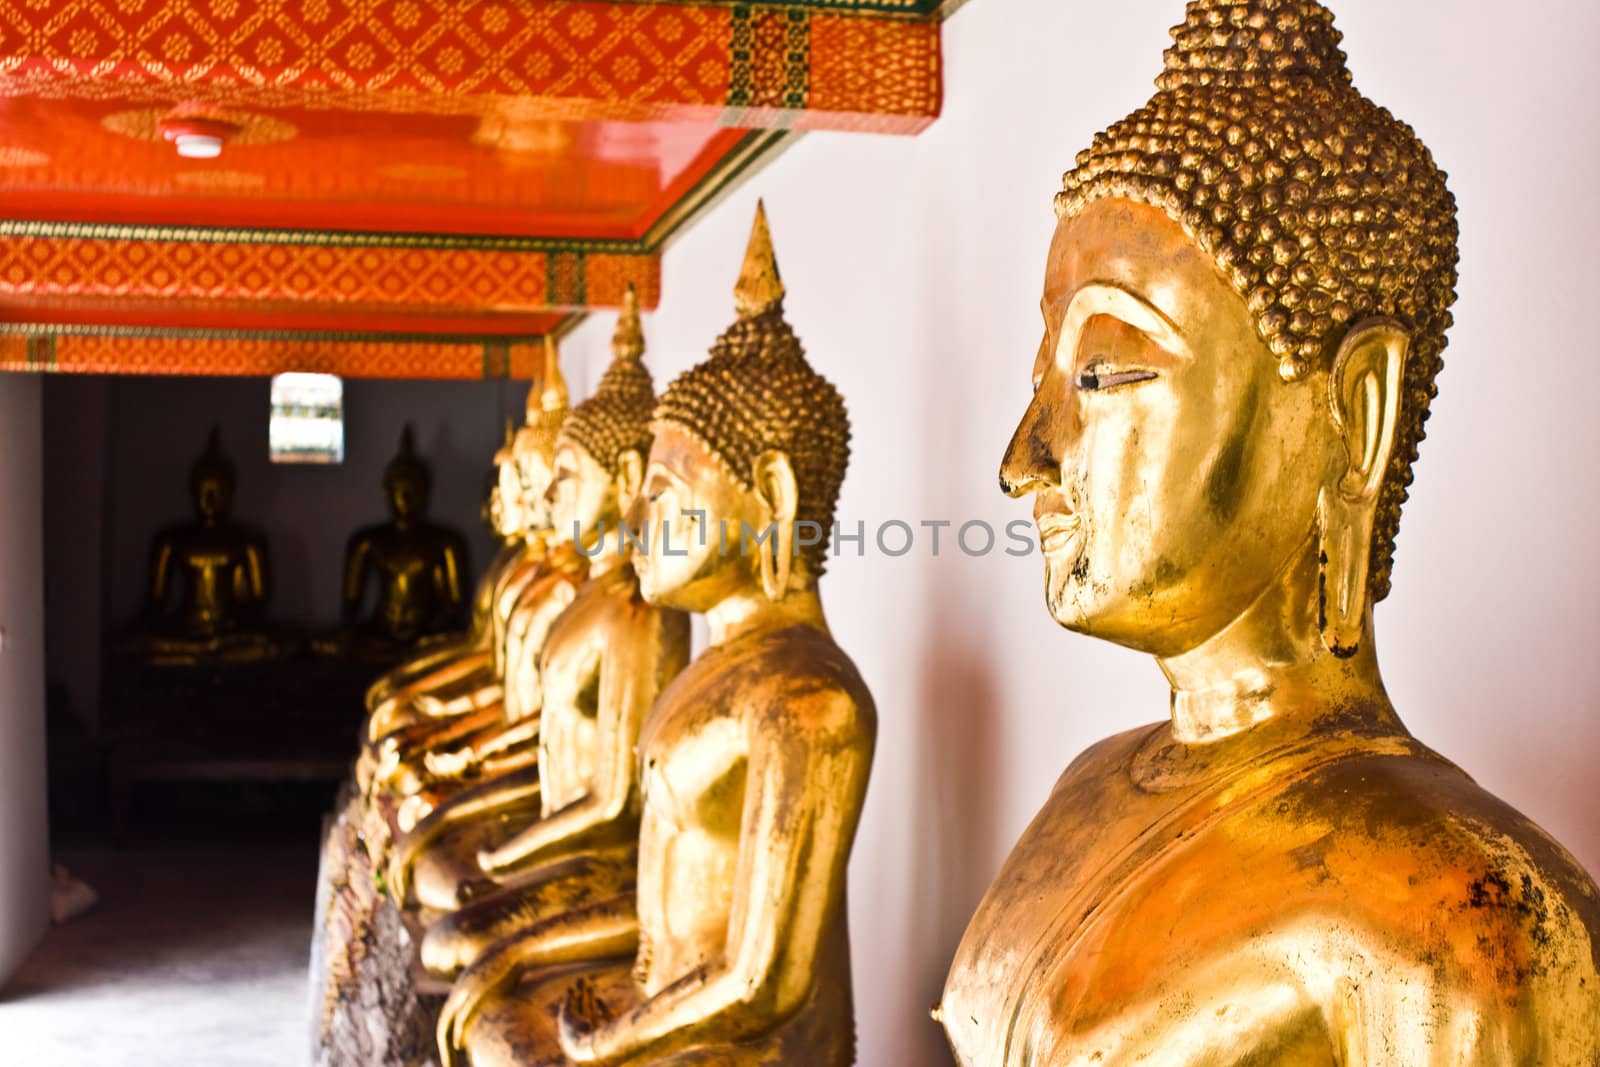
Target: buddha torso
x=414 y=564
x=214 y=564
x=607 y=618
x=695 y=749
x=506 y=594
x=1339 y=897
x=541 y=598
x=486 y=594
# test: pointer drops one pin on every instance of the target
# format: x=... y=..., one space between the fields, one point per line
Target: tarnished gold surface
x=1245 y=303
x=415 y=565
x=220 y=569
x=734 y=949
x=605 y=661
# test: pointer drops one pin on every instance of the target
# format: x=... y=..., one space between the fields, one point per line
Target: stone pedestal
x=366 y=1008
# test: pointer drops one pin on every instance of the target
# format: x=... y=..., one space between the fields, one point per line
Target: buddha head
x=406 y=480
x=503 y=510
x=599 y=454
x=534 y=447
x=750 y=452
x=211 y=481
x=1245 y=306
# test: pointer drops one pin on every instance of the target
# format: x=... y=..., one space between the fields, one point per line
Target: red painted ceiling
x=90 y=161
x=463 y=173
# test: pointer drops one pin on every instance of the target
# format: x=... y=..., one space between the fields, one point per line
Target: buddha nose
x=1031 y=463
x=634 y=515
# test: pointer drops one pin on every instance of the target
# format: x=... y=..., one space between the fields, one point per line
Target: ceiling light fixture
x=197 y=137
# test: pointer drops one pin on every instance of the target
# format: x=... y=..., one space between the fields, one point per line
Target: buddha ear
x=1364 y=397
x=630 y=476
x=773 y=476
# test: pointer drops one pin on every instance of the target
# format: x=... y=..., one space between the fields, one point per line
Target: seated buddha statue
x=605 y=661
x=1245 y=303
x=471 y=683
x=734 y=949
x=209 y=581
x=421 y=674
x=416 y=566
x=436 y=746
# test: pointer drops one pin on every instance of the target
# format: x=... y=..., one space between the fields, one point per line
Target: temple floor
x=197 y=953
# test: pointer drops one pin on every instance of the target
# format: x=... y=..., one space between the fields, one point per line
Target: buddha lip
x=1057 y=529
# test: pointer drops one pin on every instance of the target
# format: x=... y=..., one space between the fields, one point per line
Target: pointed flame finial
x=511 y=431
x=759 y=289
x=628 y=340
x=555 y=386
x=408 y=443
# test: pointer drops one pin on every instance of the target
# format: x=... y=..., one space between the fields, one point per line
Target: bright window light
x=307 y=419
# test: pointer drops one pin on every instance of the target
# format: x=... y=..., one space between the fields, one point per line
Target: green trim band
x=47 y=332
x=891 y=8
x=120 y=231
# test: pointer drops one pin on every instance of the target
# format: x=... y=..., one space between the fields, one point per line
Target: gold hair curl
x=617 y=417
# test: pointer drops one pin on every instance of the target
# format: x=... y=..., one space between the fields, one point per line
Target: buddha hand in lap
x=1245 y=305
x=601 y=667
x=754 y=759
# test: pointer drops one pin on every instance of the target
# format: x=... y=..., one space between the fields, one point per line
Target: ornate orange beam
x=133 y=351
x=363 y=282
x=811 y=64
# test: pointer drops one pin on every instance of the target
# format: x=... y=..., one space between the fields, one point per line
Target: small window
x=307 y=419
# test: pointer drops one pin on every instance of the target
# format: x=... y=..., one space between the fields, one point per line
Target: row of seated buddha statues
x=210 y=579
x=618 y=855
x=1245 y=301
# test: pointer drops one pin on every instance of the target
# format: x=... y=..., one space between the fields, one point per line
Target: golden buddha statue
x=605 y=661
x=428 y=747
x=1245 y=306
x=221 y=569
x=754 y=761
x=417 y=567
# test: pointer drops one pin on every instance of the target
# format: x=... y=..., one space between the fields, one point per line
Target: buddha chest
x=1221 y=911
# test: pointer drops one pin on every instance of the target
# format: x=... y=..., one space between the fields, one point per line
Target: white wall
x=914 y=270
x=24 y=833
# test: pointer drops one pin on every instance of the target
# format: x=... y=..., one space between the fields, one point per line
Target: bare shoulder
x=1428 y=855
x=805 y=679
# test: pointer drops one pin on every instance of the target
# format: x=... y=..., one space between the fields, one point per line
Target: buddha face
x=408 y=495
x=213 y=496
x=581 y=493
x=528 y=481
x=688 y=498
x=506 y=497
x=1174 y=473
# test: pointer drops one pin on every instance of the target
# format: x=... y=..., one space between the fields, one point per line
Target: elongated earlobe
x=776 y=486
x=630 y=476
x=1364 y=397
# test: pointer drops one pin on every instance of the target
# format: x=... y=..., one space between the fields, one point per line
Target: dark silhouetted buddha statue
x=209 y=579
x=418 y=568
